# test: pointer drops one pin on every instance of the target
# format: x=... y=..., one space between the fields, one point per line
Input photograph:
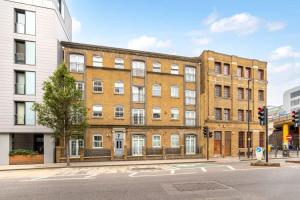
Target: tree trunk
x=67 y=151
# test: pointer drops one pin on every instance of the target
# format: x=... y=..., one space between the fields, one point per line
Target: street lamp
x=248 y=119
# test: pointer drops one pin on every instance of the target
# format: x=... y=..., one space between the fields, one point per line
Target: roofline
x=127 y=51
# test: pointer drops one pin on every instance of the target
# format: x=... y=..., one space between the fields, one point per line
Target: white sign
x=259 y=153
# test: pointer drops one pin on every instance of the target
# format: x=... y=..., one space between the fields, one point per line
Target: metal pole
x=267 y=135
x=248 y=119
x=207 y=142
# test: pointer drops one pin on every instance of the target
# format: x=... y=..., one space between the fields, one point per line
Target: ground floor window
x=156 y=142
x=138 y=142
x=97 y=141
x=75 y=145
x=241 y=140
x=261 y=139
x=174 y=141
x=190 y=144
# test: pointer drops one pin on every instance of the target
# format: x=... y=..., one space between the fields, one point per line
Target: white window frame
x=120 y=89
x=100 y=111
x=98 y=86
x=176 y=143
x=175 y=116
x=174 y=69
x=119 y=63
x=80 y=87
x=76 y=63
x=190 y=74
x=138 y=68
x=156 y=90
x=156 y=143
x=97 y=61
x=156 y=67
x=190 y=118
x=100 y=142
x=156 y=110
x=174 y=91
x=190 y=97
x=140 y=95
x=140 y=116
x=119 y=111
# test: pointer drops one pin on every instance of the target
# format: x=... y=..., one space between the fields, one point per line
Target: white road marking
x=132 y=174
x=153 y=175
x=230 y=167
x=172 y=171
x=203 y=169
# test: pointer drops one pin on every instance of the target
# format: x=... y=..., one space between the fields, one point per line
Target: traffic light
x=210 y=134
x=205 y=131
x=262 y=116
x=295 y=116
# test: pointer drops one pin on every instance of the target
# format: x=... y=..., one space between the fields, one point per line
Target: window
x=190 y=118
x=119 y=63
x=241 y=115
x=218 y=113
x=248 y=93
x=218 y=68
x=226 y=69
x=76 y=63
x=260 y=74
x=218 y=91
x=174 y=91
x=138 y=116
x=240 y=93
x=156 y=67
x=25 y=115
x=97 y=111
x=80 y=87
x=239 y=71
x=261 y=139
x=156 y=113
x=248 y=115
x=190 y=97
x=25 y=52
x=249 y=142
x=97 y=141
x=138 y=68
x=190 y=74
x=226 y=114
x=174 y=113
x=226 y=92
x=156 y=141
x=97 y=86
x=138 y=94
x=295 y=94
x=174 y=69
x=97 y=61
x=25 y=83
x=241 y=140
x=261 y=95
x=156 y=90
x=119 y=87
x=119 y=111
x=174 y=141
x=25 y=22
x=248 y=72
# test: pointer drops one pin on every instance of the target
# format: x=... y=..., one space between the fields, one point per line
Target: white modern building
x=30 y=31
x=291 y=99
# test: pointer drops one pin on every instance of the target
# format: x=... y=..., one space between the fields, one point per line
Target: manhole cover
x=183 y=187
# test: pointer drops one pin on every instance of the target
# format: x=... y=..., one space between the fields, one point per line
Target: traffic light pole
x=267 y=135
x=207 y=146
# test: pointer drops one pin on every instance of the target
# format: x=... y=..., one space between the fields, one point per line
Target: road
x=227 y=181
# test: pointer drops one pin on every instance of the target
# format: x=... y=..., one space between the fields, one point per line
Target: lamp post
x=248 y=119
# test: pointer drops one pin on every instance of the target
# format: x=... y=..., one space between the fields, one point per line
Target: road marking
x=203 y=169
x=172 y=171
x=230 y=167
x=132 y=174
x=153 y=175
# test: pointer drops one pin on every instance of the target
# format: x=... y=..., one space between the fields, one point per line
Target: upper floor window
x=260 y=74
x=174 y=113
x=226 y=91
x=156 y=113
x=248 y=72
x=25 y=83
x=119 y=63
x=119 y=87
x=138 y=116
x=24 y=22
x=24 y=52
x=240 y=93
x=218 y=91
x=261 y=95
x=97 y=86
x=218 y=69
x=248 y=93
x=138 y=94
x=119 y=111
x=97 y=111
x=218 y=113
x=190 y=74
x=190 y=97
x=97 y=61
x=76 y=63
x=174 y=91
x=226 y=114
x=156 y=90
x=240 y=72
x=226 y=69
x=174 y=69
x=190 y=118
x=156 y=67
x=25 y=115
x=156 y=143
x=249 y=115
x=241 y=115
x=97 y=141
x=138 y=68
x=80 y=87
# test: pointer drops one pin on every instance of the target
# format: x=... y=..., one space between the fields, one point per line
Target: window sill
x=97 y=92
x=119 y=94
x=156 y=96
x=154 y=119
x=93 y=117
x=97 y=147
x=175 y=120
x=119 y=118
x=175 y=97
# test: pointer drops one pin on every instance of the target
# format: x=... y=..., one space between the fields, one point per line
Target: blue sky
x=263 y=29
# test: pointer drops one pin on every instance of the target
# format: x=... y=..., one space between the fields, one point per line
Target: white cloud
x=148 y=43
x=211 y=18
x=241 y=24
x=275 y=26
x=285 y=52
x=202 y=41
x=284 y=67
x=76 y=25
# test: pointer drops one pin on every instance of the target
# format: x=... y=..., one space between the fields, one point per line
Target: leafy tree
x=62 y=108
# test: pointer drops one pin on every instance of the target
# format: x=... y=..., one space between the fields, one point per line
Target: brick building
x=145 y=105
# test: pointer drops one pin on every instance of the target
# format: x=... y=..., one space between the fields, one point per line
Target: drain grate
x=184 y=187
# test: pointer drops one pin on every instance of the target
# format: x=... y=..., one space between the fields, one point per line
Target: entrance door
x=75 y=145
x=217 y=143
x=119 y=143
x=227 y=143
x=138 y=141
x=190 y=144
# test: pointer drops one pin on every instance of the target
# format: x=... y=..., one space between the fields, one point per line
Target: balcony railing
x=20 y=58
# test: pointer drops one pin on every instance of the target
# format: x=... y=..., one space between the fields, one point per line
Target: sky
x=267 y=30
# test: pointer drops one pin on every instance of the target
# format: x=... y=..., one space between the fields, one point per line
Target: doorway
x=227 y=143
x=75 y=145
x=138 y=142
x=217 y=143
x=119 y=143
x=190 y=144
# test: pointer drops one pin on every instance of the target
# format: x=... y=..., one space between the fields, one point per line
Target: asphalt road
x=228 y=181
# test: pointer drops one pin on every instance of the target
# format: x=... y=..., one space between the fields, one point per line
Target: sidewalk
x=113 y=163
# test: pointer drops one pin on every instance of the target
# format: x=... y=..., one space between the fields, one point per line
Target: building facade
x=153 y=106
x=291 y=99
x=30 y=51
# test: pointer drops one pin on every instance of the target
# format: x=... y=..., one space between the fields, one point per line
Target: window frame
x=172 y=114
x=98 y=62
x=172 y=140
x=190 y=74
x=156 y=108
x=218 y=114
x=122 y=88
x=218 y=93
x=159 y=141
x=99 y=86
x=190 y=116
x=77 y=63
x=174 y=69
x=190 y=97
x=156 y=67
x=156 y=90
x=93 y=111
x=172 y=90
x=99 y=141
x=119 y=111
x=119 y=65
